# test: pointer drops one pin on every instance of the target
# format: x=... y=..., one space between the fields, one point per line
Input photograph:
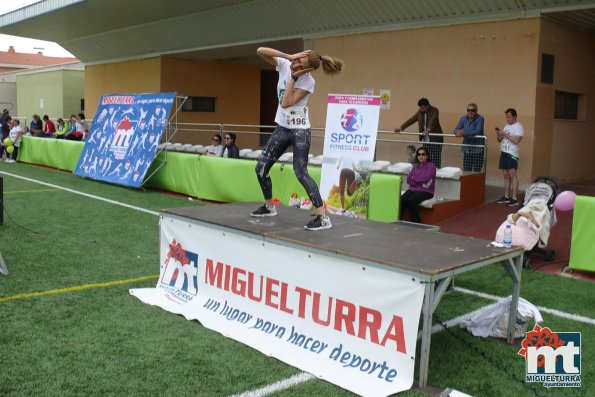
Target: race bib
x=505 y=145
x=297 y=117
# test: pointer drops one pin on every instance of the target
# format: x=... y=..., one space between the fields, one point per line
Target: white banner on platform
x=349 y=145
x=352 y=325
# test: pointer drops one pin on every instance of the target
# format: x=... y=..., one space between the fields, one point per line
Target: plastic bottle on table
x=507 y=239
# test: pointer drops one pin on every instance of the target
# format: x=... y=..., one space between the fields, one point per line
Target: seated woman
x=421 y=181
x=216 y=149
x=72 y=133
x=231 y=150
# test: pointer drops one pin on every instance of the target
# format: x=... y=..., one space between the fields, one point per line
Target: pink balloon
x=565 y=201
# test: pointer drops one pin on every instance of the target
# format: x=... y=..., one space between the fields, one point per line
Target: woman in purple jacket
x=421 y=181
x=230 y=149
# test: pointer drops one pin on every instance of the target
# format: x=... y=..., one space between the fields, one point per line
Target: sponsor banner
x=124 y=136
x=352 y=325
x=349 y=145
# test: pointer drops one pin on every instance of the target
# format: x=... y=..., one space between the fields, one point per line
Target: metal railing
x=390 y=146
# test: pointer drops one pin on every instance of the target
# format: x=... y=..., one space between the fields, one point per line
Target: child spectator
x=60 y=129
x=49 y=129
x=82 y=125
x=72 y=133
x=411 y=153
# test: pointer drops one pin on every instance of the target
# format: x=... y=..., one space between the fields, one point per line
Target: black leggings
x=411 y=200
x=281 y=139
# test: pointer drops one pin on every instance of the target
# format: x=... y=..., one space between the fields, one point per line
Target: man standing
x=509 y=157
x=469 y=127
x=428 y=121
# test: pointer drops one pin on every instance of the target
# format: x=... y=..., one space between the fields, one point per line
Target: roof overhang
x=99 y=31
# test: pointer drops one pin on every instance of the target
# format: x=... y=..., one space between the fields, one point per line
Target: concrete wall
x=557 y=142
x=494 y=64
x=74 y=91
x=491 y=64
x=130 y=77
x=55 y=93
x=236 y=88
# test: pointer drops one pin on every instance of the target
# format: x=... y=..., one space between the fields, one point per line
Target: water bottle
x=507 y=240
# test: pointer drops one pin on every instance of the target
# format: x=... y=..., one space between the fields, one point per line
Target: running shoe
x=319 y=223
x=513 y=203
x=263 y=211
x=349 y=214
x=503 y=200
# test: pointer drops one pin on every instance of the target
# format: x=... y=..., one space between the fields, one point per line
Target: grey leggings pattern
x=281 y=139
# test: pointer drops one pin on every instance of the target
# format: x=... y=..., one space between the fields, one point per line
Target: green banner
x=176 y=172
x=582 y=249
x=57 y=153
x=217 y=178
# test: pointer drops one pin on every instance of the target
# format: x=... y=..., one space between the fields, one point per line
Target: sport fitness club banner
x=352 y=325
x=349 y=145
x=124 y=136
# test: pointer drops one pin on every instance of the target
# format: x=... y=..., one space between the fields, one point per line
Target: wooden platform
x=431 y=257
x=399 y=246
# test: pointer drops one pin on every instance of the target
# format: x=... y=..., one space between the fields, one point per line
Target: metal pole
x=426 y=334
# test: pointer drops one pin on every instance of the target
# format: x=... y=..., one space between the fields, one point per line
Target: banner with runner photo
x=124 y=136
x=349 y=145
x=344 y=322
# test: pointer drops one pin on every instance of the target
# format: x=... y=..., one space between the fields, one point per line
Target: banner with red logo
x=347 y=323
x=349 y=145
x=124 y=136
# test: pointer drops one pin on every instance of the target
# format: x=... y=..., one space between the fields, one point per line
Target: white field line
x=82 y=194
x=557 y=313
x=304 y=376
x=278 y=386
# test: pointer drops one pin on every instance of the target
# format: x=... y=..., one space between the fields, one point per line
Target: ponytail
x=330 y=65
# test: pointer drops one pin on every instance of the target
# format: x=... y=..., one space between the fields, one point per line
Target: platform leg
x=515 y=268
x=426 y=334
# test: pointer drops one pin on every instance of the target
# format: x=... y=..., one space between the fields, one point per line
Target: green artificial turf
x=103 y=341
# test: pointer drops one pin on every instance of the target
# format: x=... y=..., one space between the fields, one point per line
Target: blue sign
x=124 y=136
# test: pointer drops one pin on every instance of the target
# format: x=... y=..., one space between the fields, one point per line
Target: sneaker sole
x=262 y=215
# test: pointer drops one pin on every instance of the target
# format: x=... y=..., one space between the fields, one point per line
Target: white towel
x=493 y=321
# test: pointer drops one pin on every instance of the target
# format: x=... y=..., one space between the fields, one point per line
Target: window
x=566 y=107
x=199 y=104
x=547 y=68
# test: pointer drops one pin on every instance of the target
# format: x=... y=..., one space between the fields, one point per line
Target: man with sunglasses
x=469 y=127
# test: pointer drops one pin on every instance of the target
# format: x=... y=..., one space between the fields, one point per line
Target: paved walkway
x=482 y=222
